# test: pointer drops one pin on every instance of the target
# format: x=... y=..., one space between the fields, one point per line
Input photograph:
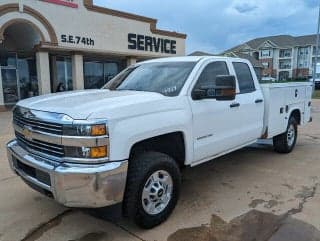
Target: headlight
x=86 y=152
x=85 y=130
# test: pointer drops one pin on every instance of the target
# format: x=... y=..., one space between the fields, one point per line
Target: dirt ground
x=216 y=200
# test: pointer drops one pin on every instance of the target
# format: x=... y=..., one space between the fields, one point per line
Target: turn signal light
x=98 y=130
x=98 y=152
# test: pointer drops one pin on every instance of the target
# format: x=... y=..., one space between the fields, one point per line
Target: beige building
x=55 y=45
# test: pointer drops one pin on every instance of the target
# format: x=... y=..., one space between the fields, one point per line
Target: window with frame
x=303 y=63
x=285 y=64
x=98 y=72
x=303 y=51
x=315 y=50
x=210 y=73
x=285 y=53
x=244 y=76
x=265 y=53
x=61 y=74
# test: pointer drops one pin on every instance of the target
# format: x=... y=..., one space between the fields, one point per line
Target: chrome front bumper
x=73 y=185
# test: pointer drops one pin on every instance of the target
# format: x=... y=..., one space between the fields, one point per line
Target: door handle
x=234 y=105
x=258 y=101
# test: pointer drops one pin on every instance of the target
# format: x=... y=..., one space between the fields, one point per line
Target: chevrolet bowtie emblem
x=27 y=132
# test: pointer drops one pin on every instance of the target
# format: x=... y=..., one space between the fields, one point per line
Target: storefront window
x=9 y=85
x=93 y=75
x=61 y=75
x=8 y=59
x=110 y=70
x=27 y=75
x=98 y=73
x=19 y=76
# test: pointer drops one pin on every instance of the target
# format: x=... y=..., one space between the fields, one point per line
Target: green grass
x=316 y=94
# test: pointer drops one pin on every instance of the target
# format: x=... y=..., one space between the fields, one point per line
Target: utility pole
x=317 y=51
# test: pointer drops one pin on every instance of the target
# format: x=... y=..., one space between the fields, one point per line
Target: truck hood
x=87 y=104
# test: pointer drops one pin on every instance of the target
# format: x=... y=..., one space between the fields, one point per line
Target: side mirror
x=223 y=89
x=226 y=87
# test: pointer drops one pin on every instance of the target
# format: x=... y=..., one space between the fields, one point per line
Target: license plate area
x=41 y=176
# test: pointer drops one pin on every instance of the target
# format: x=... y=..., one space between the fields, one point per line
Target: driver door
x=215 y=123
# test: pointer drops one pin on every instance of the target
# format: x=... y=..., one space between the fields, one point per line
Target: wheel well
x=297 y=115
x=171 y=144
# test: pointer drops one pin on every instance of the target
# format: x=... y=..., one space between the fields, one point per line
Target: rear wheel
x=285 y=142
x=152 y=190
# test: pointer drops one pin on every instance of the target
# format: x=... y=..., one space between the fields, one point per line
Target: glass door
x=10 y=88
x=27 y=73
x=61 y=74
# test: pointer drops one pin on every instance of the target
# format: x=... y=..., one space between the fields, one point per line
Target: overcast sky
x=214 y=26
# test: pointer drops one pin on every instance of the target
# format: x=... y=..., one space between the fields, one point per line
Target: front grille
x=40 y=146
x=38 y=125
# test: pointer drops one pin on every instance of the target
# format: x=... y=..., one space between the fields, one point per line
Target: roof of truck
x=189 y=59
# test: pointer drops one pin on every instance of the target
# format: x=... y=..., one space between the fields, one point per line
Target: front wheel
x=152 y=191
x=285 y=142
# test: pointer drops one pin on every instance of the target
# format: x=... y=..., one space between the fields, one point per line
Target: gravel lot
x=286 y=187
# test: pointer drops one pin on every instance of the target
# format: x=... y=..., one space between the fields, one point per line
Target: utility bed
x=279 y=99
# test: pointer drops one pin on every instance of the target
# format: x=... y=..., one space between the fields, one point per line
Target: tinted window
x=246 y=83
x=211 y=71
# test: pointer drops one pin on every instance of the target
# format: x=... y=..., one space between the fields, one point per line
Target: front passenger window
x=211 y=71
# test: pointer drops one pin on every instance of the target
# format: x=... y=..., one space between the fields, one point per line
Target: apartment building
x=283 y=56
x=258 y=67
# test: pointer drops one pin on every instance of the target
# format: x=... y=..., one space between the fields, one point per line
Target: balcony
x=285 y=64
x=285 y=53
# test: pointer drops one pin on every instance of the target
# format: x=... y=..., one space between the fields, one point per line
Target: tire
x=285 y=142
x=144 y=193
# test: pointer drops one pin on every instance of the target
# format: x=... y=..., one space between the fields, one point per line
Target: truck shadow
x=230 y=176
x=114 y=213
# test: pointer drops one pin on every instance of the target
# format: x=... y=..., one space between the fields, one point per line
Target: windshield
x=164 y=78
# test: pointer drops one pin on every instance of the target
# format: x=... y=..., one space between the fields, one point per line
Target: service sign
x=151 y=44
x=66 y=3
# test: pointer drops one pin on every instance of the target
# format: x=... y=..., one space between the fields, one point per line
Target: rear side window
x=210 y=72
x=244 y=76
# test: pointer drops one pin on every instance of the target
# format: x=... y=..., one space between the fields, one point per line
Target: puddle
x=36 y=233
x=254 y=203
x=267 y=204
x=305 y=192
x=252 y=226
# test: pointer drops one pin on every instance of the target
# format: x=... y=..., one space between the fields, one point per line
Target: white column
x=131 y=61
x=310 y=61
x=43 y=72
x=77 y=72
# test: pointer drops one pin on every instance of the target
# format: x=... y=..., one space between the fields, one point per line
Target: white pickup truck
x=126 y=142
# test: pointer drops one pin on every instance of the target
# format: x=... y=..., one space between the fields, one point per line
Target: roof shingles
x=281 y=41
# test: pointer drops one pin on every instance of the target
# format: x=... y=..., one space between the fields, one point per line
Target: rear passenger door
x=250 y=100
